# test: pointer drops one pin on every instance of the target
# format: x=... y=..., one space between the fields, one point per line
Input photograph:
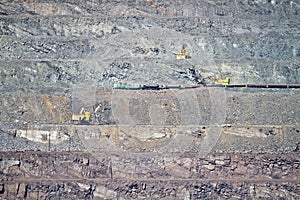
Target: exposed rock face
x=58 y=57
x=168 y=176
x=97 y=44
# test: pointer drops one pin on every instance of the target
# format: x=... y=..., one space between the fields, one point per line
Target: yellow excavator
x=83 y=116
x=183 y=54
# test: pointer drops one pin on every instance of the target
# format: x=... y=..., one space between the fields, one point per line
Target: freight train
x=163 y=87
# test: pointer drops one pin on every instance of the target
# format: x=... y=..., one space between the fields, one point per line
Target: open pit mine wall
x=263 y=120
x=46 y=175
x=51 y=50
x=254 y=152
x=98 y=43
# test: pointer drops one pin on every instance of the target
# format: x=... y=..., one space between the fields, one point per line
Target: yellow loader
x=83 y=116
x=220 y=81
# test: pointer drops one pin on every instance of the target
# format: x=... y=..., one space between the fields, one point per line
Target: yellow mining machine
x=183 y=54
x=220 y=81
x=83 y=116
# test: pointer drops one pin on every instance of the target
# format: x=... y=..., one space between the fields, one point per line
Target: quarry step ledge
x=200 y=125
x=106 y=153
x=237 y=180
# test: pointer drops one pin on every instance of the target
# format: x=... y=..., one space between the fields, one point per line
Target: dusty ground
x=204 y=143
